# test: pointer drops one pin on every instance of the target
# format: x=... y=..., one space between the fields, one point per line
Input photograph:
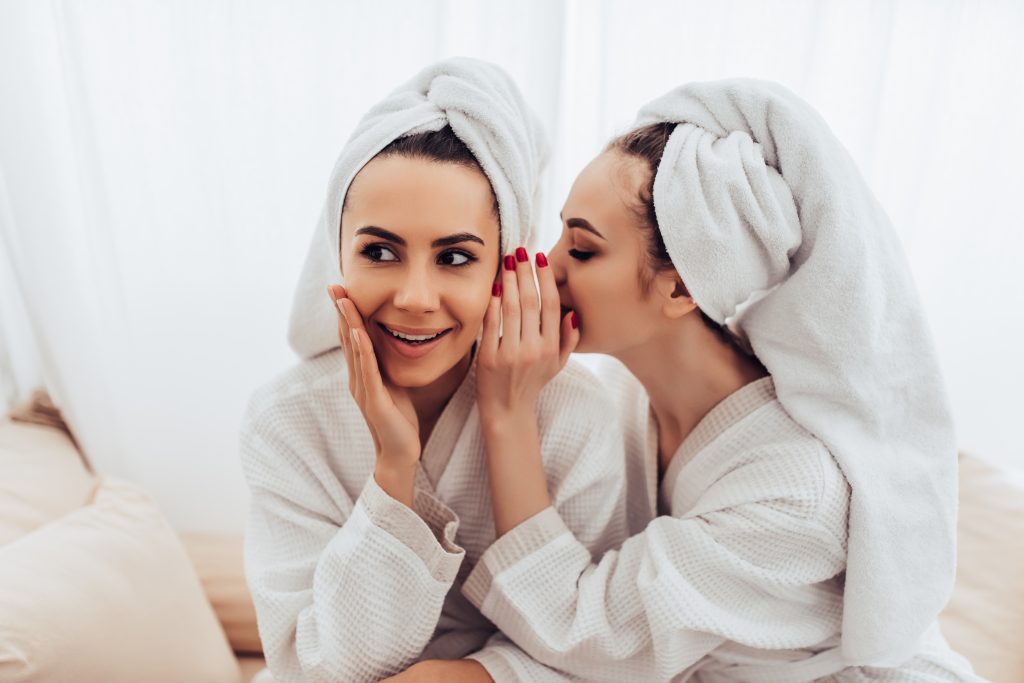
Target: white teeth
x=413 y=337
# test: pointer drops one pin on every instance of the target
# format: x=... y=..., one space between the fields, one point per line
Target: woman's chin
x=410 y=377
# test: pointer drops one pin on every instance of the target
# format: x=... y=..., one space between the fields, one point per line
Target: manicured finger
x=550 y=304
x=337 y=293
x=369 y=372
x=355 y=322
x=356 y=384
x=529 y=300
x=569 y=338
x=492 y=324
x=372 y=381
x=352 y=316
x=511 y=322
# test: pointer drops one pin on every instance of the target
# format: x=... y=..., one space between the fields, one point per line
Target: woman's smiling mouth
x=411 y=342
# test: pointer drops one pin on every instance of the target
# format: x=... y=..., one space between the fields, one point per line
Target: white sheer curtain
x=927 y=95
x=162 y=164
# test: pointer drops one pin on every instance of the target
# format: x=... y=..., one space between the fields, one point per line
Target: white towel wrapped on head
x=754 y=193
x=487 y=112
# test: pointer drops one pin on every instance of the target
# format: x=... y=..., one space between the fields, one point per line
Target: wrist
x=404 y=459
x=503 y=423
x=397 y=481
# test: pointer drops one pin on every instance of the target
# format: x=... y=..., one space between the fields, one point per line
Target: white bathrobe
x=738 y=579
x=351 y=585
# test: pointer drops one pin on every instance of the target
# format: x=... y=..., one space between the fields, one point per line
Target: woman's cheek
x=474 y=309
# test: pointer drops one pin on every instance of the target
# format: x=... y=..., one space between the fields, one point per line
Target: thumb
x=569 y=337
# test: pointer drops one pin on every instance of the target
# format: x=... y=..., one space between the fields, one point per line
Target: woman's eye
x=455 y=257
x=580 y=255
x=379 y=253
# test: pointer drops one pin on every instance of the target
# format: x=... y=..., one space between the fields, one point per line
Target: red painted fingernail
x=521 y=255
x=510 y=262
x=496 y=289
x=574 y=320
x=542 y=260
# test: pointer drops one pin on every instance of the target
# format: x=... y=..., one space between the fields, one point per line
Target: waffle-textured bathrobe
x=739 y=579
x=351 y=585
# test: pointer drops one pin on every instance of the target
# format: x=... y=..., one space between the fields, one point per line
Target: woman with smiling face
x=365 y=461
x=791 y=495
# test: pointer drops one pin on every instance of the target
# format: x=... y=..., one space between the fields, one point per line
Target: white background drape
x=162 y=165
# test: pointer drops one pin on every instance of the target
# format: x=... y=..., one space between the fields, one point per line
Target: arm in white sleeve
x=746 y=563
x=343 y=590
x=581 y=444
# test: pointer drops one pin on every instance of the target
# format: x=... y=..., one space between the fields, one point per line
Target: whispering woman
x=792 y=464
x=365 y=461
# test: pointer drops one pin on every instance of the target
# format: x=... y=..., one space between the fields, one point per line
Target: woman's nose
x=416 y=292
x=557 y=261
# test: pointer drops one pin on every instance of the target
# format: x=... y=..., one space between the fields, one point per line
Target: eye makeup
x=456 y=258
x=383 y=253
x=378 y=253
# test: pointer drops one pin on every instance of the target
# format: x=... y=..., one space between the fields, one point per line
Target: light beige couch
x=48 y=494
x=43 y=477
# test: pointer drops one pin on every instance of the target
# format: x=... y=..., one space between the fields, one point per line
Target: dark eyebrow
x=455 y=239
x=381 y=233
x=582 y=224
x=442 y=242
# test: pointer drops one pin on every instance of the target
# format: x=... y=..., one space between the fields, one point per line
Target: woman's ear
x=676 y=301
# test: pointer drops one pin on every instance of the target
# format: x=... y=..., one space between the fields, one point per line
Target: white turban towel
x=487 y=112
x=755 y=196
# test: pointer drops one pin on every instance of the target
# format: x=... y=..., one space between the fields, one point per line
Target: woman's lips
x=407 y=349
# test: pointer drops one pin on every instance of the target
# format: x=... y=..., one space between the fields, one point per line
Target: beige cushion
x=107 y=594
x=42 y=477
x=218 y=561
x=985 y=618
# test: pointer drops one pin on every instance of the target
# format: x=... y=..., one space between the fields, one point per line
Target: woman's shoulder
x=787 y=464
x=300 y=395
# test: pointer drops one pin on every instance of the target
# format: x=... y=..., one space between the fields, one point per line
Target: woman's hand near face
x=534 y=345
x=387 y=409
x=511 y=371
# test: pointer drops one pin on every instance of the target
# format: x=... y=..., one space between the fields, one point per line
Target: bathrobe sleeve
x=344 y=590
x=746 y=562
x=581 y=442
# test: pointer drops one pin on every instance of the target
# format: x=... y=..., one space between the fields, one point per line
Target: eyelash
x=370 y=249
x=580 y=255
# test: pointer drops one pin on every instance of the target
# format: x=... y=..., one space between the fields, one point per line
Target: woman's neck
x=430 y=400
x=688 y=369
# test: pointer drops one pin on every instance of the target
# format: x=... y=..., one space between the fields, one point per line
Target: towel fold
x=759 y=204
x=487 y=112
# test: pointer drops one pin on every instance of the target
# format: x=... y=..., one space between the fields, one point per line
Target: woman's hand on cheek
x=535 y=342
x=387 y=409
